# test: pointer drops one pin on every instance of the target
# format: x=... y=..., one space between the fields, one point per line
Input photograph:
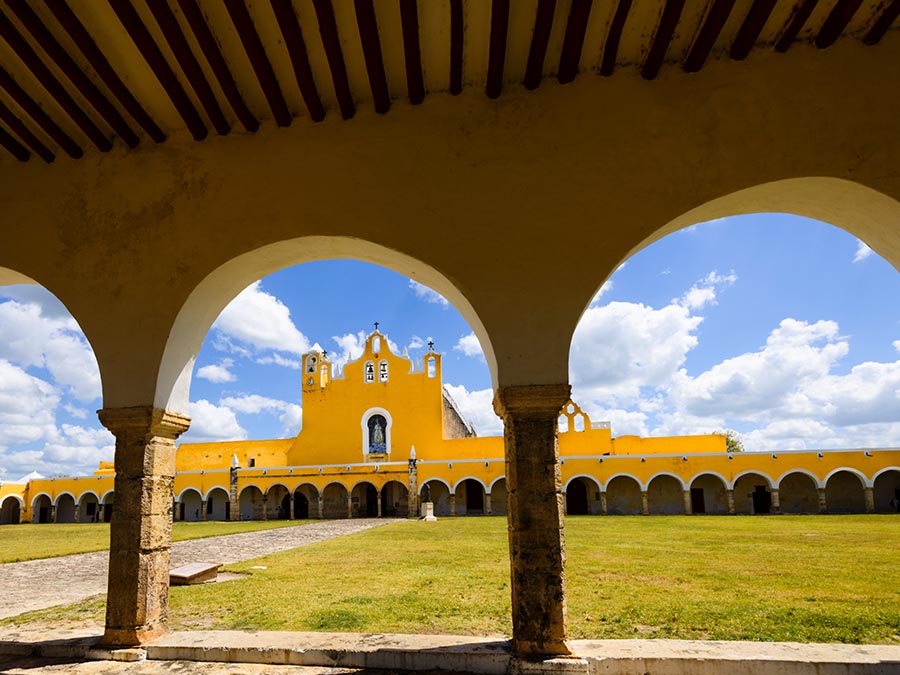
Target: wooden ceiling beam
x=795 y=24
x=836 y=22
x=540 y=39
x=664 y=32
x=613 y=37
x=412 y=52
x=751 y=28
x=709 y=33
x=296 y=46
x=497 y=47
x=457 y=41
x=13 y=146
x=67 y=65
x=371 y=46
x=55 y=88
x=573 y=42
x=188 y=63
x=24 y=133
x=85 y=43
x=160 y=67
x=35 y=112
x=883 y=23
x=332 y=44
x=255 y=51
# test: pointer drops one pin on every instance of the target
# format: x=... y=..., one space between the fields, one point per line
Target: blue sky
x=784 y=329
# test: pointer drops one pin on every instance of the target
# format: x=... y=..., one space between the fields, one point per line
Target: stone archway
x=886 y=491
x=470 y=500
x=665 y=496
x=65 y=508
x=10 y=510
x=845 y=493
x=218 y=505
x=306 y=502
x=752 y=495
x=798 y=494
x=708 y=495
x=394 y=499
x=498 y=497
x=251 y=503
x=440 y=496
x=42 y=509
x=334 y=501
x=623 y=496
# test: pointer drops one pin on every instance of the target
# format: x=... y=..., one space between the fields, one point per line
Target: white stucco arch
x=856 y=472
x=751 y=472
x=495 y=481
x=622 y=474
x=65 y=493
x=217 y=487
x=108 y=493
x=38 y=496
x=465 y=478
x=815 y=479
x=91 y=493
x=715 y=474
x=447 y=485
x=364 y=427
x=335 y=482
x=360 y=482
x=884 y=470
x=248 y=486
x=665 y=473
x=593 y=480
x=302 y=484
x=15 y=498
x=180 y=495
x=275 y=485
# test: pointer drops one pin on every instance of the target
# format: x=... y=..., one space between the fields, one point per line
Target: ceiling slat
x=409 y=21
x=293 y=40
x=189 y=64
x=540 y=39
x=573 y=42
x=884 y=22
x=101 y=65
x=82 y=82
x=371 y=46
x=497 y=47
x=13 y=146
x=332 y=43
x=836 y=22
x=33 y=110
x=709 y=32
x=667 y=24
x=456 y=46
x=55 y=88
x=240 y=17
x=24 y=133
x=795 y=25
x=160 y=67
x=611 y=47
x=750 y=29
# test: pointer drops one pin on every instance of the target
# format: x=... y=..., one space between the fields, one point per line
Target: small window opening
x=570 y=409
x=579 y=422
x=370 y=371
x=376 y=344
x=432 y=366
x=323 y=376
x=252 y=462
x=311 y=364
x=383 y=371
x=563 y=424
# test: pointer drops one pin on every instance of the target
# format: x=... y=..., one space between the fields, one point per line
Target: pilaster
x=870 y=499
x=688 y=507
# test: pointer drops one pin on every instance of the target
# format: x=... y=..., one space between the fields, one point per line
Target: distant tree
x=733 y=440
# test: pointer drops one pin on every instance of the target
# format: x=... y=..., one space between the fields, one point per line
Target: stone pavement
x=38 y=584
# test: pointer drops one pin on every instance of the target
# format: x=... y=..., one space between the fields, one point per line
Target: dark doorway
x=301 y=506
x=387 y=505
x=181 y=510
x=762 y=500
x=698 y=502
x=474 y=497
x=228 y=510
x=107 y=512
x=577 y=498
x=44 y=514
x=371 y=501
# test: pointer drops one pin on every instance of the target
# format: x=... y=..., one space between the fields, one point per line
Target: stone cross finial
x=376 y=325
x=431 y=345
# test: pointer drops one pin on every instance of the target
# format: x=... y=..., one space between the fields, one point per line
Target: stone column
x=870 y=500
x=78 y=512
x=265 y=507
x=413 y=498
x=291 y=497
x=729 y=500
x=604 y=509
x=321 y=505
x=452 y=503
x=53 y=513
x=776 y=502
x=141 y=529
x=823 y=504
x=203 y=507
x=378 y=503
x=234 y=511
x=645 y=503
x=688 y=507
x=535 y=515
x=349 y=505
x=488 y=507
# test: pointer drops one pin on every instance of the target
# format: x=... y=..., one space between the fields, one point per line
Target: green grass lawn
x=804 y=578
x=30 y=542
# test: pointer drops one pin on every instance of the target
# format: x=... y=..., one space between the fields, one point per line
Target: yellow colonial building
x=384 y=436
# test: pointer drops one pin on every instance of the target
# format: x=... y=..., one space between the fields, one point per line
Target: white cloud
x=289 y=414
x=478 y=408
x=704 y=292
x=417 y=343
x=350 y=348
x=261 y=321
x=27 y=406
x=210 y=422
x=469 y=345
x=862 y=251
x=218 y=373
x=428 y=295
x=279 y=360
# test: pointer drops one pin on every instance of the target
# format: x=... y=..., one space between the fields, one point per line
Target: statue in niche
x=377 y=443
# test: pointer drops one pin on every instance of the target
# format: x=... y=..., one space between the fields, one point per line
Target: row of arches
x=797 y=492
x=65 y=508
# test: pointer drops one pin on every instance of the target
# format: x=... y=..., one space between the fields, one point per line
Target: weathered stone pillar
x=141 y=529
x=78 y=512
x=536 y=526
x=604 y=509
x=729 y=500
x=413 y=497
x=291 y=498
x=53 y=513
x=488 y=507
x=688 y=507
x=870 y=500
x=349 y=505
x=776 y=502
x=823 y=504
x=321 y=504
x=203 y=507
x=265 y=507
x=378 y=503
x=645 y=503
x=453 y=504
x=234 y=511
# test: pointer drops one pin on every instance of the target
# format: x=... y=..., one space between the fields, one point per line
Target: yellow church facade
x=383 y=436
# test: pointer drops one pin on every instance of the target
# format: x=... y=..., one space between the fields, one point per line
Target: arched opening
x=190 y=506
x=65 y=508
x=41 y=509
x=334 y=501
x=394 y=499
x=364 y=498
x=89 y=509
x=498 y=497
x=623 y=496
x=251 y=503
x=581 y=495
x=752 y=495
x=665 y=496
x=708 y=495
x=306 y=502
x=278 y=503
x=218 y=505
x=106 y=507
x=10 y=511
x=439 y=494
x=470 y=498
x=798 y=494
x=844 y=493
x=886 y=491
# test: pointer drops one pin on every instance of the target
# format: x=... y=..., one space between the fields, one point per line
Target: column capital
x=143 y=419
x=531 y=399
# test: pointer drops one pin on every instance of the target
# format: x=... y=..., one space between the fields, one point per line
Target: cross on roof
x=376 y=325
x=431 y=345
